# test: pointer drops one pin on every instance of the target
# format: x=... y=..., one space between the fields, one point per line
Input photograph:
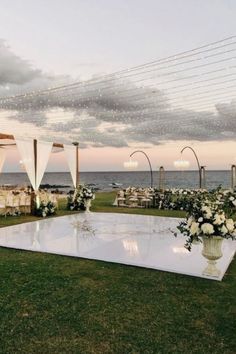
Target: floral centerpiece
x=207 y=218
x=45 y=209
x=81 y=199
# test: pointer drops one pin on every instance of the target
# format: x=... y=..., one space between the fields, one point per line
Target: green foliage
x=45 y=209
x=210 y=215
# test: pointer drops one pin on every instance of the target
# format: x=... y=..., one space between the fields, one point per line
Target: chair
x=28 y=204
x=121 y=199
x=25 y=203
x=12 y=204
x=133 y=200
x=146 y=200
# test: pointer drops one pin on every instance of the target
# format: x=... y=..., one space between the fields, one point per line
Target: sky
x=49 y=43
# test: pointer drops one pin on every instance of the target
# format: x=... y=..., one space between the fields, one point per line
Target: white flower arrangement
x=207 y=218
x=45 y=209
x=79 y=198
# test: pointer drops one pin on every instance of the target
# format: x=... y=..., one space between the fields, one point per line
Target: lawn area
x=56 y=304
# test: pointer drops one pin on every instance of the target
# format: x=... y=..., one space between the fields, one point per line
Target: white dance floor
x=143 y=241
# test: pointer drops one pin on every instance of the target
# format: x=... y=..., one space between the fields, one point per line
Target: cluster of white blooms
x=45 y=209
x=80 y=197
x=194 y=228
x=186 y=191
x=219 y=219
x=207 y=229
x=207 y=213
x=86 y=193
x=209 y=219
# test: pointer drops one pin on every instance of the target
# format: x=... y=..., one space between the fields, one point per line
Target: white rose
x=224 y=230
x=208 y=214
x=200 y=219
x=231 y=199
x=230 y=225
x=190 y=220
x=207 y=229
x=194 y=229
x=219 y=219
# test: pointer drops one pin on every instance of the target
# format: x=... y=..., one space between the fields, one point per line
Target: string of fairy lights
x=187 y=83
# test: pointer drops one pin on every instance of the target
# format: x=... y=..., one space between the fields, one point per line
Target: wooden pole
x=11 y=137
x=35 y=161
x=33 y=194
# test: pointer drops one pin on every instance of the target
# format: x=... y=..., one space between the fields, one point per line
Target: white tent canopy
x=70 y=151
x=44 y=150
x=35 y=155
x=35 y=165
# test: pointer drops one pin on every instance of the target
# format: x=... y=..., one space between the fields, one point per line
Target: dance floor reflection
x=143 y=241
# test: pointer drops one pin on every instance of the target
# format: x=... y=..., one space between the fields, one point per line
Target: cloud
x=13 y=69
x=108 y=113
x=27 y=117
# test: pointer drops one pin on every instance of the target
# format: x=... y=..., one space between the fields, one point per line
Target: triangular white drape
x=2 y=158
x=70 y=151
x=44 y=150
x=26 y=149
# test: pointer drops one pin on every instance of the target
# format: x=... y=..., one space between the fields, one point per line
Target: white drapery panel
x=26 y=150
x=44 y=150
x=2 y=158
x=70 y=151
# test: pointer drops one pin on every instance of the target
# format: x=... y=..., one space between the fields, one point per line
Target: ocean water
x=102 y=180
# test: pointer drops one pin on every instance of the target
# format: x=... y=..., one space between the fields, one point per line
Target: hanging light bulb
x=181 y=164
x=131 y=164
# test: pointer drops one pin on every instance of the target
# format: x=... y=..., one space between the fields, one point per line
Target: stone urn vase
x=212 y=252
x=87 y=205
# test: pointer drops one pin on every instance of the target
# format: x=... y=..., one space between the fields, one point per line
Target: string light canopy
x=187 y=87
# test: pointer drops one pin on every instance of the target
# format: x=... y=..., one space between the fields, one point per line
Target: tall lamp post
x=161 y=178
x=149 y=162
x=233 y=176
x=76 y=144
x=201 y=169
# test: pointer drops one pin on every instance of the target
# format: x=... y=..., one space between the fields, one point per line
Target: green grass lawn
x=55 y=304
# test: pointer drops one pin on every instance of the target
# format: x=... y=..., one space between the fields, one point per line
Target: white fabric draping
x=2 y=158
x=44 y=150
x=26 y=150
x=70 y=151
